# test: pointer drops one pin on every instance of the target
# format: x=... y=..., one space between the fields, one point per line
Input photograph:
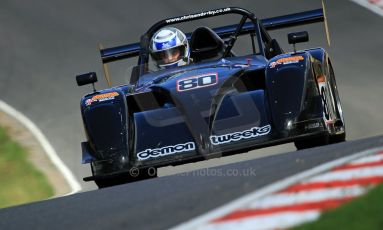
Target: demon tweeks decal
x=237 y=136
x=167 y=150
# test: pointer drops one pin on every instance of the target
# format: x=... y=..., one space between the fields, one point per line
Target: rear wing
x=297 y=19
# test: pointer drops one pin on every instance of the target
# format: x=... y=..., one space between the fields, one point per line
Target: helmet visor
x=169 y=56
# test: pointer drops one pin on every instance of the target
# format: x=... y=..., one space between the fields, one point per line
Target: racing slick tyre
x=332 y=115
x=104 y=183
x=312 y=142
x=132 y=176
x=339 y=134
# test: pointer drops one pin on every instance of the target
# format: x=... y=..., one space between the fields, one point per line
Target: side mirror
x=87 y=78
x=298 y=37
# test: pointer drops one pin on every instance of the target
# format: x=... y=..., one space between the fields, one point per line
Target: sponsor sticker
x=165 y=151
x=237 y=136
x=198 y=15
x=196 y=82
x=101 y=98
x=313 y=126
x=286 y=61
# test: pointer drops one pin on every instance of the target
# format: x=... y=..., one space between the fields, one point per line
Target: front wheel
x=127 y=178
x=338 y=127
x=332 y=115
x=312 y=142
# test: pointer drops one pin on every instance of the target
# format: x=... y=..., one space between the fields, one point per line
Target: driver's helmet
x=169 y=48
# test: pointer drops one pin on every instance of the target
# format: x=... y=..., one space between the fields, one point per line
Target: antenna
x=297 y=37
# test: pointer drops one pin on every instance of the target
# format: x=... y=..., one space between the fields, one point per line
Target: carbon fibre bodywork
x=208 y=109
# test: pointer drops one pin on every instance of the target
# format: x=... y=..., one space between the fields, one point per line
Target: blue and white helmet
x=169 y=48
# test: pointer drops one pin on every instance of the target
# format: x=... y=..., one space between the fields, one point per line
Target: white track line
x=376 y=7
x=273 y=188
x=48 y=148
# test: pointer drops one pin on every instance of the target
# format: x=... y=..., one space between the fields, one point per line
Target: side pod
x=293 y=94
x=105 y=118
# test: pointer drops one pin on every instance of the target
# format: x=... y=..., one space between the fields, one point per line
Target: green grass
x=364 y=213
x=20 y=181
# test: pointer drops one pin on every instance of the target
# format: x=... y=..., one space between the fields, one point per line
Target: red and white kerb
x=303 y=201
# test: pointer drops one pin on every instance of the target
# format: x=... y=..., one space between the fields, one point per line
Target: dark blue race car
x=220 y=104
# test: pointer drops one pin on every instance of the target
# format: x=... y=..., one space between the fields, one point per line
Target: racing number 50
x=197 y=82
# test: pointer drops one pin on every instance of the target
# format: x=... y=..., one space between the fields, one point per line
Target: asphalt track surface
x=45 y=44
x=168 y=201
